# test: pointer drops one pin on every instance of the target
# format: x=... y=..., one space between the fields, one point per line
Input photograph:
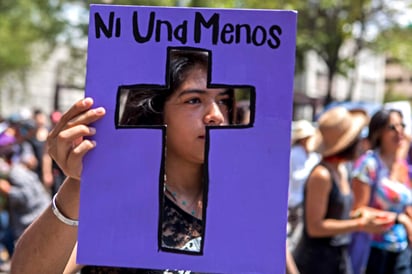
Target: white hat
x=302 y=129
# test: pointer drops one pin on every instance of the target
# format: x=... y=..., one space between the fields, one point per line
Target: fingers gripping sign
x=70 y=133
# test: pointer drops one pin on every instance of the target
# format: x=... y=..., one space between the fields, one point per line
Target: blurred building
x=365 y=83
x=55 y=84
x=398 y=79
x=37 y=87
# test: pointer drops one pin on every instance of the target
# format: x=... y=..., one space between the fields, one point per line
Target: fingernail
x=94 y=143
x=92 y=130
x=100 y=110
x=87 y=101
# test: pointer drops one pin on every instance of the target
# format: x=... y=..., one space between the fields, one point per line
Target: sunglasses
x=395 y=127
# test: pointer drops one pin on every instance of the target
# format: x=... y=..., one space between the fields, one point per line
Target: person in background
x=6 y=238
x=25 y=194
x=405 y=152
x=302 y=160
x=22 y=129
x=291 y=267
x=328 y=219
x=38 y=139
x=381 y=181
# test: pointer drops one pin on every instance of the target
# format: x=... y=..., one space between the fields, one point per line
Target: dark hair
x=378 y=123
x=350 y=152
x=37 y=111
x=145 y=106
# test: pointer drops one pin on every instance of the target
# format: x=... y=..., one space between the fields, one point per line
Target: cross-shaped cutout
x=186 y=108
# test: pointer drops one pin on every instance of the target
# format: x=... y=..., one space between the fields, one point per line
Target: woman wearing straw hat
x=381 y=181
x=328 y=198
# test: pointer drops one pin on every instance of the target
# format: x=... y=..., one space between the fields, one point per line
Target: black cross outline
x=207 y=138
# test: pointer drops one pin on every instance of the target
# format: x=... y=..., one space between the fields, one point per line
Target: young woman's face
x=188 y=111
x=393 y=133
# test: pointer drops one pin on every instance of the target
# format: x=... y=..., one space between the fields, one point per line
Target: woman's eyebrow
x=191 y=91
x=201 y=91
x=225 y=92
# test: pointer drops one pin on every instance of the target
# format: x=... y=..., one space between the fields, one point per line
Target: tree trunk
x=329 y=98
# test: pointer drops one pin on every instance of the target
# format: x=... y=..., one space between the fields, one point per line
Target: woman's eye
x=224 y=102
x=193 y=101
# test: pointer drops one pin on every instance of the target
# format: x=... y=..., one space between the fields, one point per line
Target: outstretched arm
x=47 y=244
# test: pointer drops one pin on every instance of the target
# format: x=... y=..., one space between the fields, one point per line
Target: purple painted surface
x=248 y=167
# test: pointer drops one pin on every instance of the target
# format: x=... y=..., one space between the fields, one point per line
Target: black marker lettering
x=169 y=28
x=118 y=27
x=247 y=32
x=101 y=26
x=200 y=21
x=136 y=33
x=274 y=32
x=255 y=36
x=180 y=32
x=160 y=29
x=227 y=29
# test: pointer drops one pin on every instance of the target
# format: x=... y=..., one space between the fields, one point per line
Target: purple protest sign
x=245 y=208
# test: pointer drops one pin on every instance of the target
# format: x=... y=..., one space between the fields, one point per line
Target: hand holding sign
x=67 y=144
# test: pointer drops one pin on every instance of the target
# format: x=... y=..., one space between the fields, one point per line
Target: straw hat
x=338 y=128
x=302 y=129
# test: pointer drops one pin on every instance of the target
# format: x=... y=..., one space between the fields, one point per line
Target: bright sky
x=405 y=13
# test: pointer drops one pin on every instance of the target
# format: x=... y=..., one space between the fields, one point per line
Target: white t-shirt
x=301 y=164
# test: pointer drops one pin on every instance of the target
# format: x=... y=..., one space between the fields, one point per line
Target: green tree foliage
x=23 y=24
x=391 y=96
x=392 y=41
x=323 y=26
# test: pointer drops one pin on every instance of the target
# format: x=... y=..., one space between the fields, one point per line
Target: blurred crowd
x=28 y=176
x=350 y=196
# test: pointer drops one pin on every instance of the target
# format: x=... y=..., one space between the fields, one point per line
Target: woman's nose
x=213 y=115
